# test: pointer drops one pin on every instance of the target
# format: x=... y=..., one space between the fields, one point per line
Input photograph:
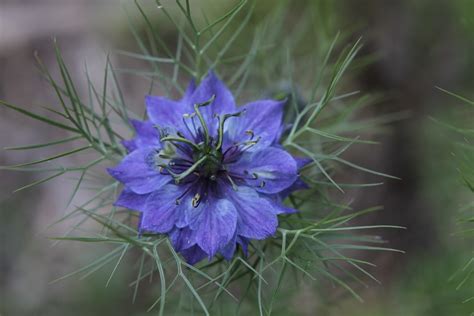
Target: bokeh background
x=415 y=46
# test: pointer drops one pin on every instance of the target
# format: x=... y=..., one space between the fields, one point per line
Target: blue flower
x=208 y=174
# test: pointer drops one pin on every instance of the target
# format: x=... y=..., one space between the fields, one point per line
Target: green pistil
x=181 y=176
x=201 y=118
x=220 y=131
x=212 y=164
x=181 y=140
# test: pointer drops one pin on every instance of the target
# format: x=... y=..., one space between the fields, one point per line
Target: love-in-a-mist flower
x=207 y=173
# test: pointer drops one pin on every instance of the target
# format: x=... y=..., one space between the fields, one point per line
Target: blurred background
x=415 y=46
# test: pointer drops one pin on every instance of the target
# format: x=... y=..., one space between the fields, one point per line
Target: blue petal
x=302 y=161
x=161 y=210
x=166 y=113
x=146 y=136
x=263 y=118
x=214 y=224
x=193 y=255
x=224 y=102
x=129 y=144
x=228 y=250
x=138 y=172
x=243 y=242
x=277 y=202
x=131 y=200
x=182 y=238
x=298 y=184
x=256 y=216
x=270 y=170
x=189 y=92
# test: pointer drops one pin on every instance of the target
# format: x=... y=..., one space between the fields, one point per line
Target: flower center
x=211 y=165
x=201 y=157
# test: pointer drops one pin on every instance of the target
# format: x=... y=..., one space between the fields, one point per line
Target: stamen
x=254 y=175
x=168 y=169
x=250 y=133
x=247 y=145
x=178 y=200
x=250 y=144
x=234 y=186
x=196 y=200
x=193 y=134
x=162 y=132
x=188 y=115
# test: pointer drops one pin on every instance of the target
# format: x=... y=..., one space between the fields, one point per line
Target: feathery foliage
x=318 y=243
x=464 y=156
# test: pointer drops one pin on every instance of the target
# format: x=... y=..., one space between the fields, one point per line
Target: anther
x=196 y=200
x=262 y=184
x=250 y=133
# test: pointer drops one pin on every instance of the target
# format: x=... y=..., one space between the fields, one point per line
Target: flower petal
x=161 y=210
x=166 y=113
x=138 y=172
x=223 y=103
x=214 y=224
x=302 y=161
x=189 y=92
x=131 y=200
x=277 y=202
x=263 y=118
x=228 y=250
x=194 y=254
x=182 y=238
x=243 y=242
x=270 y=170
x=256 y=216
x=146 y=136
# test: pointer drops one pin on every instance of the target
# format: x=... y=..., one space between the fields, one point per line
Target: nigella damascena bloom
x=207 y=173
